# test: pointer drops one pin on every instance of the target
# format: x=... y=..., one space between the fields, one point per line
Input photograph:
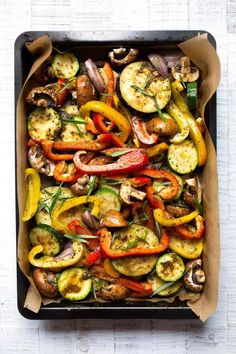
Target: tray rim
x=55 y=311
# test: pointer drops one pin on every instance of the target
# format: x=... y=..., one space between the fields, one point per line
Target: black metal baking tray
x=97 y=42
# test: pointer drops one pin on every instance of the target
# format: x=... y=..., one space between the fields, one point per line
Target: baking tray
x=97 y=42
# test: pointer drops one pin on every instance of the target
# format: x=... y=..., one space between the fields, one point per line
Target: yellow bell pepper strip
x=96 y=209
x=160 y=217
x=110 y=113
x=53 y=263
x=156 y=149
x=57 y=221
x=178 y=116
x=194 y=131
x=106 y=241
x=32 y=181
x=109 y=269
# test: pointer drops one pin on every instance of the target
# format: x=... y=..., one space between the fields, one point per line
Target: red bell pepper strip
x=154 y=199
x=106 y=240
x=48 y=145
x=102 y=142
x=140 y=130
x=183 y=231
x=132 y=161
x=33 y=142
x=137 y=182
x=79 y=229
x=146 y=292
x=99 y=118
x=95 y=256
x=89 y=124
x=61 y=92
x=131 y=284
x=172 y=190
x=66 y=173
x=150 y=223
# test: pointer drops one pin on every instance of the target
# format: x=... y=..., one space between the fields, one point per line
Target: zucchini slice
x=137 y=84
x=135 y=236
x=46 y=236
x=72 y=284
x=170 y=267
x=65 y=65
x=158 y=283
x=183 y=157
x=189 y=249
x=108 y=200
x=44 y=123
x=72 y=110
x=48 y=195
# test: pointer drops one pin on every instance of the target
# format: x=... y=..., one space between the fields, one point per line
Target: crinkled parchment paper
x=204 y=56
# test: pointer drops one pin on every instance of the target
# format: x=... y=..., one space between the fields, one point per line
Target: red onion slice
x=159 y=64
x=95 y=76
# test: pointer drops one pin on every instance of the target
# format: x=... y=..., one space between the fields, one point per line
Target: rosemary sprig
x=91 y=186
x=54 y=200
x=119 y=153
x=158 y=229
x=162 y=287
x=145 y=93
x=81 y=238
x=73 y=121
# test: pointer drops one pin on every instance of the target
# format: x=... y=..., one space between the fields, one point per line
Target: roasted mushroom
x=82 y=185
x=121 y=56
x=127 y=192
x=162 y=128
x=113 y=292
x=85 y=90
x=195 y=276
x=89 y=220
x=38 y=161
x=44 y=96
x=46 y=282
x=177 y=211
x=159 y=63
x=113 y=218
x=192 y=191
x=186 y=71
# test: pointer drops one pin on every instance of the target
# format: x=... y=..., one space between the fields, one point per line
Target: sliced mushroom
x=127 y=192
x=113 y=218
x=85 y=90
x=195 y=276
x=120 y=56
x=46 y=282
x=162 y=128
x=113 y=292
x=81 y=187
x=177 y=211
x=192 y=191
x=43 y=96
x=38 y=161
x=186 y=71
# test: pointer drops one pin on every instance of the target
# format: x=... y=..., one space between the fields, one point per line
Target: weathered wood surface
x=218 y=335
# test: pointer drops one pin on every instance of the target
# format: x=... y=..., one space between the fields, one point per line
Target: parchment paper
x=202 y=53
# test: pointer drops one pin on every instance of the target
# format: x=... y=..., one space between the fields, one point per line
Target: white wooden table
x=218 y=335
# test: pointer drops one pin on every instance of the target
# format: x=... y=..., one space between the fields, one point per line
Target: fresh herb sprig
x=162 y=287
x=145 y=93
x=81 y=238
x=92 y=182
